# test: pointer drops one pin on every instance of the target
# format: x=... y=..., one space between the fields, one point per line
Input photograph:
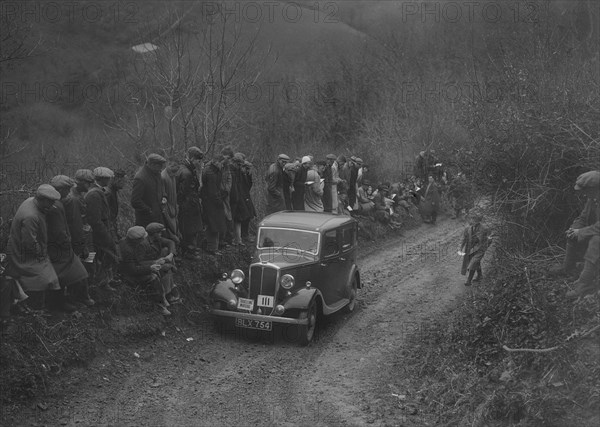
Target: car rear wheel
x=353 y=292
x=307 y=332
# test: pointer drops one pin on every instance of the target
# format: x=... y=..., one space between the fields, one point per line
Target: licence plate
x=253 y=324
x=245 y=304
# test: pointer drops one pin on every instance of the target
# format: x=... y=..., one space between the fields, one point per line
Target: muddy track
x=221 y=378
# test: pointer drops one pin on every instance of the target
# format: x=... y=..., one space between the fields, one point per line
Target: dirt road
x=203 y=376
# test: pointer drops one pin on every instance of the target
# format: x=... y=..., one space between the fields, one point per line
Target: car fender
x=353 y=272
x=223 y=290
x=301 y=299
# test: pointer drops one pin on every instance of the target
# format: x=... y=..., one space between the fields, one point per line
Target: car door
x=332 y=268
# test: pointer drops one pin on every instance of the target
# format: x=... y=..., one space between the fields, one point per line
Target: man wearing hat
x=213 y=206
x=300 y=179
x=583 y=237
x=226 y=183
x=171 y=209
x=27 y=248
x=72 y=275
x=246 y=187
x=137 y=268
x=365 y=204
x=474 y=244
x=289 y=175
x=275 y=185
x=147 y=195
x=313 y=193
x=242 y=208
x=381 y=207
x=162 y=250
x=98 y=217
x=112 y=196
x=75 y=211
x=430 y=203
x=189 y=181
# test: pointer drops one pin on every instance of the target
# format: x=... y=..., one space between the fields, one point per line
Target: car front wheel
x=307 y=332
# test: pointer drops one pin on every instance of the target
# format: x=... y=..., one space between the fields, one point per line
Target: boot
x=568 y=266
x=586 y=283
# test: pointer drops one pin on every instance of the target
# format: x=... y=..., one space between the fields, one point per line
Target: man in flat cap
x=275 y=184
x=242 y=209
x=27 y=248
x=171 y=209
x=162 y=251
x=147 y=195
x=246 y=187
x=212 y=198
x=583 y=237
x=300 y=183
x=98 y=217
x=139 y=269
x=189 y=181
x=226 y=183
x=115 y=185
x=75 y=211
x=313 y=193
x=72 y=275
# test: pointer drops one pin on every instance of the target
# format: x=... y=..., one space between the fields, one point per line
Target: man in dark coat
x=430 y=203
x=75 y=210
x=72 y=275
x=242 y=209
x=246 y=187
x=171 y=209
x=327 y=185
x=583 y=237
x=27 y=248
x=112 y=196
x=98 y=217
x=300 y=184
x=189 y=182
x=352 y=188
x=147 y=196
x=226 y=182
x=213 y=206
x=275 y=183
x=474 y=244
x=162 y=250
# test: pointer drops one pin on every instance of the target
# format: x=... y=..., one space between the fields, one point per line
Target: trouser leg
x=212 y=240
x=470 y=277
x=238 y=232
x=6 y=296
x=570 y=256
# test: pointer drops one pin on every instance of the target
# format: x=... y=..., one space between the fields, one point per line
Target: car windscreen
x=288 y=239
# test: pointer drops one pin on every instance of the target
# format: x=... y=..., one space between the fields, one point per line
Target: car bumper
x=259 y=317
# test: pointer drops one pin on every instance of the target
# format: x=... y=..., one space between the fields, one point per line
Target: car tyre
x=306 y=333
x=351 y=306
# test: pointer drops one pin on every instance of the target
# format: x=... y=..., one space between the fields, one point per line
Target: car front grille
x=263 y=281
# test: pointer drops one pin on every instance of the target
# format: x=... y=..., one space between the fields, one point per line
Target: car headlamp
x=287 y=281
x=237 y=276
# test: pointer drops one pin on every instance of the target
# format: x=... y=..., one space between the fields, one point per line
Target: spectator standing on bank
x=242 y=208
x=76 y=211
x=275 y=184
x=474 y=244
x=299 y=183
x=212 y=198
x=226 y=182
x=189 y=182
x=314 y=189
x=171 y=209
x=147 y=196
x=112 y=196
x=72 y=275
x=98 y=217
x=27 y=248
x=583 y=239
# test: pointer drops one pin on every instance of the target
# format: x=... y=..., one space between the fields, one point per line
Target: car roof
x=313 y=221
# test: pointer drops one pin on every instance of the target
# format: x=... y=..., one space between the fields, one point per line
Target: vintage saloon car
x=305 y=266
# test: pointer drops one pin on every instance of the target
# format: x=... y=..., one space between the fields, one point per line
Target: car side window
x=348 y=237
x=330 y=244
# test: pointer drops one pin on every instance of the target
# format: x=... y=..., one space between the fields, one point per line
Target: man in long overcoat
x=75 y=211
x=147 y=195
x=27 y=248
x=72 y=275
x=189 y=182
x=171 y=209
x=242 y=209
x=474 y=244
x=583 y=238
x=299 y=183
x=430 y=204
x=275 y=183
x=98 y=217
x=212 y=202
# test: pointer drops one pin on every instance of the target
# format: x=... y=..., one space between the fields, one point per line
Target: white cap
x=306 y=159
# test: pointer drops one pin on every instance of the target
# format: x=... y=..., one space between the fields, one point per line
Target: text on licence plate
x=253 y=324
